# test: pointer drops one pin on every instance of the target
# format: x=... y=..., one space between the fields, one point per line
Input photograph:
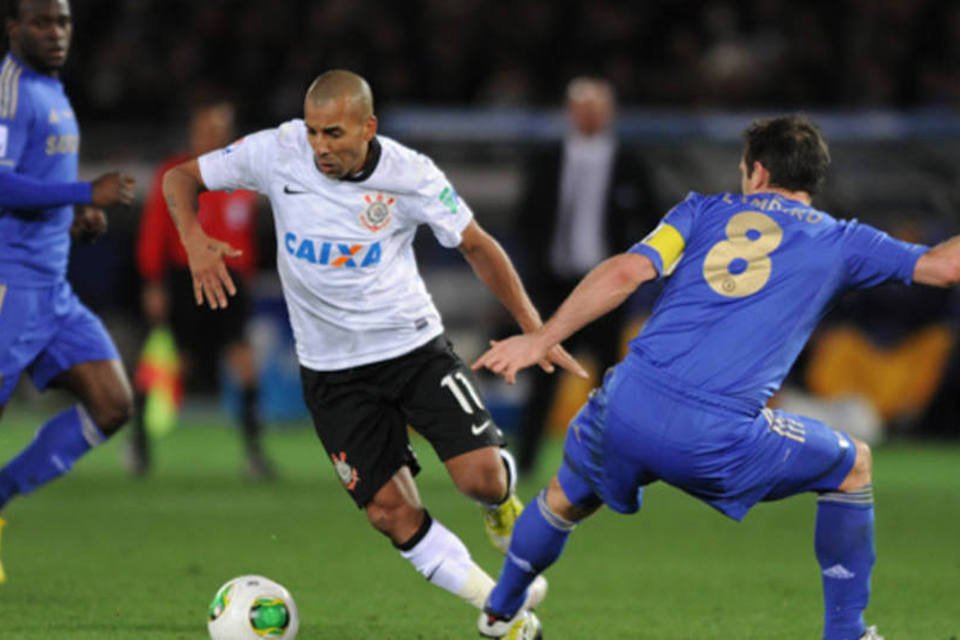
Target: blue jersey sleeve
x=18 y=191
x=664 y=245
x=22 y=192
x=872 y=257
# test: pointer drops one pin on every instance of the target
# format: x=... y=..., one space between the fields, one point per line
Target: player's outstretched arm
x=211 y=280
x=600 y=291
x=940 y=267
x=494 y=268
x=26 y=193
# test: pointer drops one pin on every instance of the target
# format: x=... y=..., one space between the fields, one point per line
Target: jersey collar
x=30 y=71
x=373 y=159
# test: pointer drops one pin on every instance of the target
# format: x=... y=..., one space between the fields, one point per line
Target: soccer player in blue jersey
x=749 y=276
x=44 y=329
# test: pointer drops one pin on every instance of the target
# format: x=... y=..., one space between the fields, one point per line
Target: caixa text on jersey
x=333 y=254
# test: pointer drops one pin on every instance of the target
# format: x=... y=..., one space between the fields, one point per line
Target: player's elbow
x=183 y=178
x=171 y=178
x=938 y=270
x=632 y=270
x=951 y=272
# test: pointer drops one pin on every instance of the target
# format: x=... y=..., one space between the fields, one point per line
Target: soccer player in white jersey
x=370 y=342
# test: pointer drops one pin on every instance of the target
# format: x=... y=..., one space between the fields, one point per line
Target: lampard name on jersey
x=332 y=253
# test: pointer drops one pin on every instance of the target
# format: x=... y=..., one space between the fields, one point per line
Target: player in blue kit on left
x=44 y=329
x=750 y=275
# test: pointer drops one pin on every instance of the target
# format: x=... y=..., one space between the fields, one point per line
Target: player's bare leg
x=433 y=550
x=845 y=549
x=103 y=389
x=489 y=476
x=480 y=474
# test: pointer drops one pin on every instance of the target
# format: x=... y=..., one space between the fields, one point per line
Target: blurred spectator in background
x=203 y=336
x=584 y=198
x=718 y=54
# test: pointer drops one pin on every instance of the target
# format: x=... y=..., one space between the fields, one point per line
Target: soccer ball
x=252 y=608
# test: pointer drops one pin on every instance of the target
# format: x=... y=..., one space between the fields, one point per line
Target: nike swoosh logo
x=477 y=430
x=287 y=190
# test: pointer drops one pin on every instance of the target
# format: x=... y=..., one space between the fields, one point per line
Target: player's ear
x=370 y=128
x=760 y=177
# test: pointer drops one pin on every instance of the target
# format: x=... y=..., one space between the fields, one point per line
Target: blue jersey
x=39 y=139
x=750 y=278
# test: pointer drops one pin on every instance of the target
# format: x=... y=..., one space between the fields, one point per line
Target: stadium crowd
x=136 y=57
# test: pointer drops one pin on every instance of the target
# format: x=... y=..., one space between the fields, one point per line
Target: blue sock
x=845 y=550
x=51 y=453
x=537 y=541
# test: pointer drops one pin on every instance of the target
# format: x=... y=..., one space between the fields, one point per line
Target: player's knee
x=486 y=482
x=113 y=412
x=862 y=472
x=397 y=522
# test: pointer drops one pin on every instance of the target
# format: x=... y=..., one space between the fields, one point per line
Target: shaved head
x=338 y=115
x=339 y=84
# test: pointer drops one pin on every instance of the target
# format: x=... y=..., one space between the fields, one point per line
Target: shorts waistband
x=675 y=387
x=437 y=343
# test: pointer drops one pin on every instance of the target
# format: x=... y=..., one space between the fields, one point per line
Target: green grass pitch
x=101 y=555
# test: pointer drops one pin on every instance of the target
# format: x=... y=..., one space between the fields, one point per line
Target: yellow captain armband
x=668 y=243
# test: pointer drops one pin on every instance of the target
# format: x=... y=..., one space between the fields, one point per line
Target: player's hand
x=559 y=356
x=113 y=188
x=507 y=357
x=211 y=280
x=89 y=223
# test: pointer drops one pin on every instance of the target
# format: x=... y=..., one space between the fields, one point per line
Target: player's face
x=340 y=134
x=41 y=37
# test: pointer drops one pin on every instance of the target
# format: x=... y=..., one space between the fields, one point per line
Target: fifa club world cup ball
x=253 y=608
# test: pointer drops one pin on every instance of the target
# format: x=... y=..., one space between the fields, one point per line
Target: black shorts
x=202 y=333
x=361 y=414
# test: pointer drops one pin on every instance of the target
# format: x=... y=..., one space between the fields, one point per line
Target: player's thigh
x=606 y=442
x=80 y=337
x=442 y=403
x=26 y=326
x=817 y=457
x=365 y=436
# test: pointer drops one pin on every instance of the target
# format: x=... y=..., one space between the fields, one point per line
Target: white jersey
x=344 y=247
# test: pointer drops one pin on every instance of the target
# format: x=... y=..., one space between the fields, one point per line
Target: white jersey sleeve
x=439 y=205
x=244 y=164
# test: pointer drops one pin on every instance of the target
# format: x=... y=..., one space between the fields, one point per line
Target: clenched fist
x=89 y=223
x=113 y=188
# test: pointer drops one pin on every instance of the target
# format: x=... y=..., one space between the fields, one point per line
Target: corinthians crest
x=348 y=475
x=377 y=214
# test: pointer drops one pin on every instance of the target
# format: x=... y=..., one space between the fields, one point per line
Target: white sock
x=444 y=560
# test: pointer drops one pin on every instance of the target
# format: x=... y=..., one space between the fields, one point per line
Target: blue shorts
x=46 y=331
x=636 y=429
